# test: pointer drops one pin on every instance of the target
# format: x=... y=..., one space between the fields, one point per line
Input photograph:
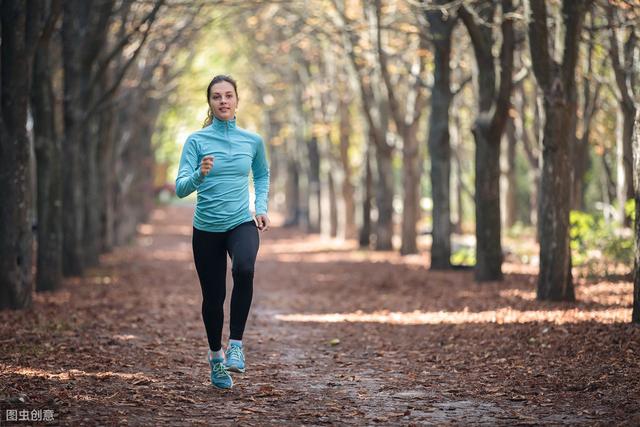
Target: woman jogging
x=215 y=162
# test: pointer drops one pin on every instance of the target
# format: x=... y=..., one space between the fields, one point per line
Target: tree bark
x=441 y=27
x=333 y=205
x=624 y=166
x=493 y=108
x=384 y=198
x=364 y=234
x=292 y=194
x=557 y=82
x=315 y=202
x=49 y=163
x=74 y=23
x=509 y=176
x=107 y=174
x=350 y=230
x=635 y=316
x=92 y=196
x=20 y=31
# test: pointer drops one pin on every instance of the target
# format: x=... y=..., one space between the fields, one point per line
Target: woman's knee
x=243 y=267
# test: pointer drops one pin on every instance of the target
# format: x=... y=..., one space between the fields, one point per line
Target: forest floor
x=335 y=336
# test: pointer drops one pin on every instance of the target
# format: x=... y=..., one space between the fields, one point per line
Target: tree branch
x=396 y=109
x=103 y=65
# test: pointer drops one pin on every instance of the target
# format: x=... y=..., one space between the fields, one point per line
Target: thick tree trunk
x=333 y=205
x=456 y=144
x=48 y=152
x=581 y=165
x=292 y=194
x=74 y=23
x=635 y=316
x=438 y=140
x=554 y=281
x=624 y=159
x=106 y=176
x=364 y=238
x=508 y=181
x=350 y=229
x=315 y=201
x=558 y=85
x=411 y=201
x=487 y=192
x=20 y=27
x=493 y=109
x=92 y=196
x=384 y=199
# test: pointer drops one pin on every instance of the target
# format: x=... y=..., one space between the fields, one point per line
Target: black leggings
x=210 y=255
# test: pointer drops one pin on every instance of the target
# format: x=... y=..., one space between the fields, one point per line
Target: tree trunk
x=493 y=108
x=487 y=192
x=635 y=316
x=48 y=152
x=554 y=282
x=411 y=201
x=581 y=166
x=509 y=213
x=384 y=198
x=74 y=23
x=438 y=140
x=558 y=85
x=20 y=33
x=107 y=185
x=350 y=230
x=367 y=194
x=456 y=144
x=292 y=194
x=92 y=196
x=333 y=205
x=315 y=202
x=624 y=160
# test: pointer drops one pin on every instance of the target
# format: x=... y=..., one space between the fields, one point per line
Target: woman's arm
x=189 y=176
x=260 y=170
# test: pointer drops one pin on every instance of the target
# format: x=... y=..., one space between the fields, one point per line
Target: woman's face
x=223 y=100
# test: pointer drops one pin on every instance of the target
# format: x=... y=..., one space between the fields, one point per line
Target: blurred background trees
x=478 y=132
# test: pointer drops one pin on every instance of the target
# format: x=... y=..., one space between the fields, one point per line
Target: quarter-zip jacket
x=223 y=195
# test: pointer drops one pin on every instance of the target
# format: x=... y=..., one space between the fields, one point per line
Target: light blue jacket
x=223 y=195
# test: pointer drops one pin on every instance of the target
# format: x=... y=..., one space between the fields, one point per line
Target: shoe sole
x=234 y=369
x=221 y=388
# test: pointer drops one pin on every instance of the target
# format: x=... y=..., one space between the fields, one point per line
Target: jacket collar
x=216 y=123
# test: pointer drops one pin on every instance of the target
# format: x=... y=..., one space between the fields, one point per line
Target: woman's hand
x=262 y=222
x=206 y=165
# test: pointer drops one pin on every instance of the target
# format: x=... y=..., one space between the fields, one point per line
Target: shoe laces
x=235 y=352
x=219 y=370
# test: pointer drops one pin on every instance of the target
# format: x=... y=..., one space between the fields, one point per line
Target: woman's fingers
x=262 y=222
x=206 y=165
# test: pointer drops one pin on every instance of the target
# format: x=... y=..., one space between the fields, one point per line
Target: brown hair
x=218 y=79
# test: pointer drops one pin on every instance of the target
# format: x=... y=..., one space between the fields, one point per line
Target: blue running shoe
x=220 y=378
x=235 y=358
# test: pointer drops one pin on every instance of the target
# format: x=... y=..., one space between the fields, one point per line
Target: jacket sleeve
x=260 y=170
x=189 y=177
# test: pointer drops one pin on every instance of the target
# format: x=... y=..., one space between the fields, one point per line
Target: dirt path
x=335 y=336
